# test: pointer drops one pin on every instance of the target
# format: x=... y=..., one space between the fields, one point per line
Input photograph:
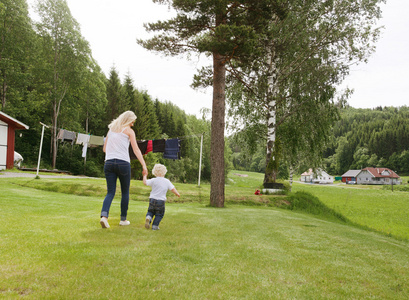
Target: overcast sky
x=112 y=27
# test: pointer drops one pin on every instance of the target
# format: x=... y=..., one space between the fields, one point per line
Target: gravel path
x=30 y=175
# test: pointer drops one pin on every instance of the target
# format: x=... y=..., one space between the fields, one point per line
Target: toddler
x=160 y=186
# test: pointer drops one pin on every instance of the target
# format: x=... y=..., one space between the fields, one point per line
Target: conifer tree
x=227 y=31
x=114 y=95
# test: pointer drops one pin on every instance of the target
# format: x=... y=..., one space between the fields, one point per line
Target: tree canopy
x=48 y=75
x=290 y=89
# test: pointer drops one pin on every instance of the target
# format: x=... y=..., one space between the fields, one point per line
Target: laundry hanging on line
x=70 y=136
x=66 y=136
x=86 y=140
x=95 y=140
x=170 y=148
x=83 y=139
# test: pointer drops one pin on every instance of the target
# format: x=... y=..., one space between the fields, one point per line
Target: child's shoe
x=147 y=223
x=104 y=222
x=154 y=227
x=124 y=223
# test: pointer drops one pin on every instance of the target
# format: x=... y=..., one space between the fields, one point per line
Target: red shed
x=8 y=126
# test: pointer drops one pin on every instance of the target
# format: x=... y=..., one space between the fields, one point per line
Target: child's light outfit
x=157 y=199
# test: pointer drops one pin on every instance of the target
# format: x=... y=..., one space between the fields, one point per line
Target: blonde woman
x=117 y=164
x=160 y=186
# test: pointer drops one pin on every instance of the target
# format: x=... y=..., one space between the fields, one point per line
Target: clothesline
x=169 y=147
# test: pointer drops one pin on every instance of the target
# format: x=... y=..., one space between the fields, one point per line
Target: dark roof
x=351 y=173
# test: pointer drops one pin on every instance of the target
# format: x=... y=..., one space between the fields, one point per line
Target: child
x=160 y=186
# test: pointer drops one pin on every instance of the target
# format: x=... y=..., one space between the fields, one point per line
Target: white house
x=307 y=176
x=377 y=176
x=319 y=176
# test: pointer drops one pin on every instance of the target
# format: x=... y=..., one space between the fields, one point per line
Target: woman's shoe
x=104 y=222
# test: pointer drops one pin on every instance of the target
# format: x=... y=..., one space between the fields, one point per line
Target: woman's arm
x=136 y=149
x=105 y=144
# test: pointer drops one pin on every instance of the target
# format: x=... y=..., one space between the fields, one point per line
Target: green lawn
x=368 y=206
x=52 y=247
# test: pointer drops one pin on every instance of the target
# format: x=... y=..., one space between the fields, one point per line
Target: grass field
x=382 y=210
x=52 y=247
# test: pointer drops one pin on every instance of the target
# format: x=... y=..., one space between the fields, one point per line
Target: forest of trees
x=48 y=74
x=360 y=138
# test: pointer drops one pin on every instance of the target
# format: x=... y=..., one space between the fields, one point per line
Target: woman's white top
x=117 y=146
x=160 y=186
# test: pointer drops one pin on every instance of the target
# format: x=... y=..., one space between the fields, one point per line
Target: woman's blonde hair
x=123 y=120
x=159 y=170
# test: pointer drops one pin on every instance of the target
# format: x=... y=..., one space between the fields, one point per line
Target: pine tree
x=114 y=95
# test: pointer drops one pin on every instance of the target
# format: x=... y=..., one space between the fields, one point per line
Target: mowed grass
x=368 y=206
x=52 y=247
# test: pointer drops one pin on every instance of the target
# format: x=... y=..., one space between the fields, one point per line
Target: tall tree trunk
x=3 y=94
x=54 y=135
x=217 y=132
x=271 y=172
x=291 y=176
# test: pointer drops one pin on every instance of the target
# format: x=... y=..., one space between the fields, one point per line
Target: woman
x=118 y=164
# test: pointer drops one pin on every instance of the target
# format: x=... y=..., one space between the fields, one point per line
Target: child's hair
x=159 y=170
x=123 y=120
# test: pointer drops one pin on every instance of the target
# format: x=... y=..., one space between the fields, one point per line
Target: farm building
x=8 y=126
x=319 y=176
x=350 y=176
x=377 y=176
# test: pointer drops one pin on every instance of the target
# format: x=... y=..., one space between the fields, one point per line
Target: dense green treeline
x=360 y=138
x=48 y=75
x=370 y=138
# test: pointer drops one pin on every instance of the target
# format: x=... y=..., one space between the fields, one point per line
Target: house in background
x=8 y=126
x=319 y=176
x=307 y=176
x=350 y=176
x=377 y=176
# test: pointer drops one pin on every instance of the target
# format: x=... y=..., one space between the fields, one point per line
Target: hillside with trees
x=360 y=138
x=369 y=138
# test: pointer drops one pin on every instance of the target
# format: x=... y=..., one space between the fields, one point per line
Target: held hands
x=145 y=172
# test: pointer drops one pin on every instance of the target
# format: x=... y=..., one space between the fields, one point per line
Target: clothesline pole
x=200 y=159
x=41 y=146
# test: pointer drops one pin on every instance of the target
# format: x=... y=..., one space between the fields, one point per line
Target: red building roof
x=377 y=172
x=13 y=122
